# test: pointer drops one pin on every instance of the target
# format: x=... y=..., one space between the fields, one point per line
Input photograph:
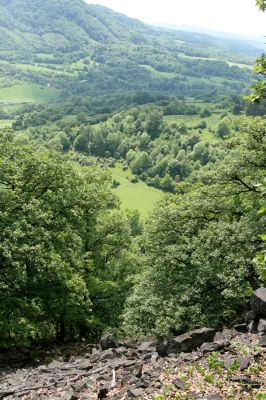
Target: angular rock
x=246 y=380
x=108 y=341
x=240 y=378
x=215 y=397
x=179 y=384
x=134 y=392
x=121 y=350
x=253 y=327
x=70 y=395
x=162 y=347
x=221 y=344
x=185 y=357
x=84 y=365
x=85 y=383
x=262 y=325
x=94 y=351
x=167 y=390
x=139 y=371
x=194 y=396
x=146 y=346
x=190 y=341
x=241 y=328
x=244 y=362
x=253 y=384
x=228 y=361
x=258 y=302
x=208 y=348
x=142 y=384
x=147 y=356
x=229 y=334
x=262 y=341
x=250 y=316
x=104 y=355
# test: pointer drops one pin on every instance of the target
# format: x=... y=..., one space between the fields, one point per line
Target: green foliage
x=260 y=87
x=261 y=4
x=141 y=164
x=59 y=247
x=199 y=245
x=260 y=68
x=260 y=260
x=214 y=363
x=223 y=129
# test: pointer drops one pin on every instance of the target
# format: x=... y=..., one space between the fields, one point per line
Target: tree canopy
x=59 y=240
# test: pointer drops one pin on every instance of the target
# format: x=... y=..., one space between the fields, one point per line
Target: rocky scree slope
x=202 y=364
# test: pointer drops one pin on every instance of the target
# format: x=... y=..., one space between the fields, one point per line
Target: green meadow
x=158 y=74
x=28 y=93
x=134 y=195
x=5 y=123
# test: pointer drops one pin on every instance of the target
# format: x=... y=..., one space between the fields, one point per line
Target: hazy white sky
x=238 y=16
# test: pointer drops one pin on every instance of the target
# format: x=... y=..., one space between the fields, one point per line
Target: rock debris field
x=201 y=364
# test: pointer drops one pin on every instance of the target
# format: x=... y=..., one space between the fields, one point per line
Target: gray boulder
x=108 y=341
x=262 y=325
x=258 y=302
x=190 y=341
x=262 y=341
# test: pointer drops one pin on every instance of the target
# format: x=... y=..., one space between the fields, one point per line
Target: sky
x=235 y=16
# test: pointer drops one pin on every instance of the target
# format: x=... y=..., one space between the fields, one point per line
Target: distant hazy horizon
x=232 y=16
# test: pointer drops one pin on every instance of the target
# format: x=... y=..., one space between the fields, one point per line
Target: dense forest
x=94 y=106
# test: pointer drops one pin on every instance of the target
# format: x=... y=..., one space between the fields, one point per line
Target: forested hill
x=30 y=27
x=91 y=50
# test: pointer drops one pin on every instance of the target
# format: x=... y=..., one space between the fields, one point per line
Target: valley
x=132 y=207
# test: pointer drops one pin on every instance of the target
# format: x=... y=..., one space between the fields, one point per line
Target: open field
x=134 y=195
x=158 y=74
x=27 y=93
x=230 y=63
x=5 y=123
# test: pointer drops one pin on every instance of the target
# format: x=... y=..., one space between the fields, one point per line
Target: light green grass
x=69 y=118
x=191 y=121
x=45 y=56
x=134 y=195
x=5 y=123
x=77 y=65
x=45 y=69
x=28 y=93
x=180 y=119
x=158 y=74
x=230 y=63
x=41 y=69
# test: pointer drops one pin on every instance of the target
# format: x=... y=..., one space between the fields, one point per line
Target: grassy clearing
x=5 y=123
x=192 y=120
x=28 y=93
x=158 y=74
x=69 y=118
x=58 y=69
x=78 y=65
x=41 y=69
x=230 y=63
x=134 y=195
